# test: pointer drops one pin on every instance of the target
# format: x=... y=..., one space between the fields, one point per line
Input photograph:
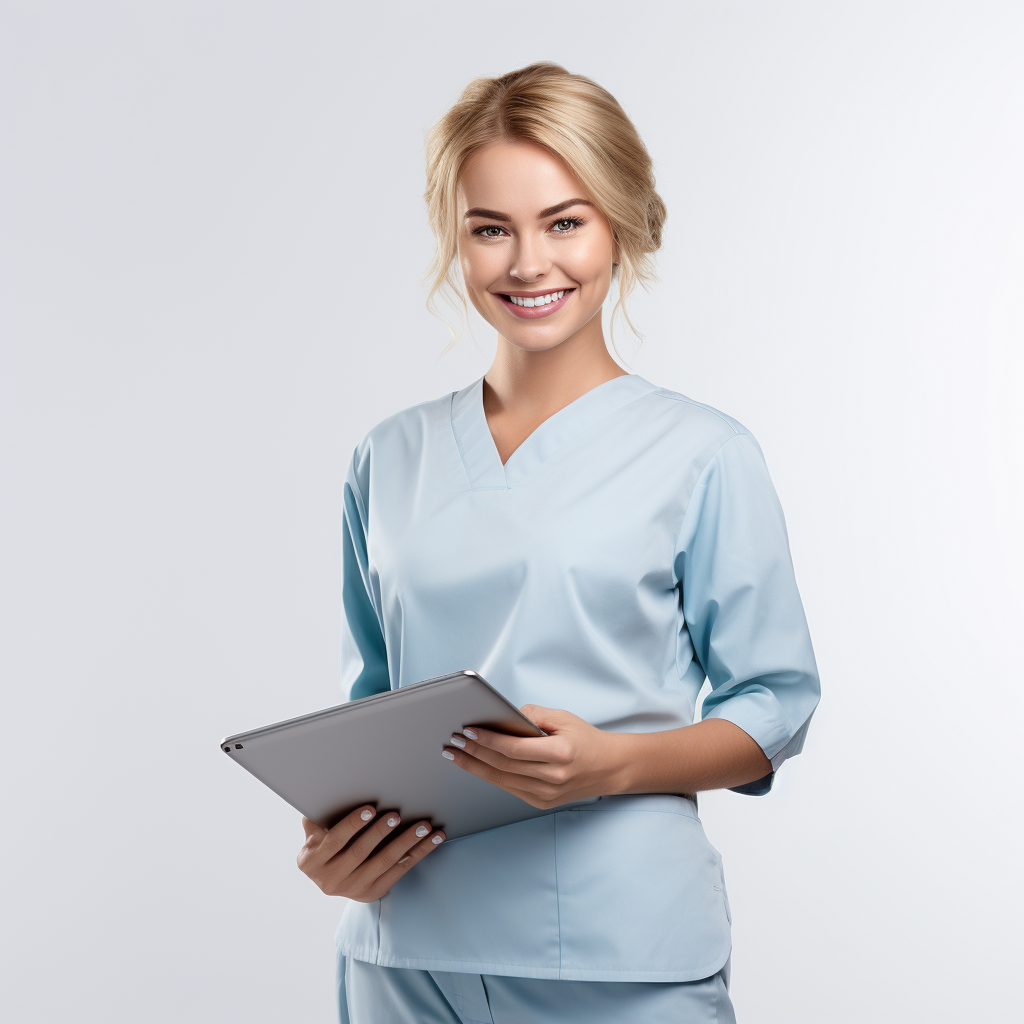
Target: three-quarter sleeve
x=364 y=662
x=741 y=607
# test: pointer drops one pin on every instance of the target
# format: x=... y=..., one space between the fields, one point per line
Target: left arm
x=713 y=754
x=577 y=760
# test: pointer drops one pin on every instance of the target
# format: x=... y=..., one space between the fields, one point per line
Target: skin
x=540 y=366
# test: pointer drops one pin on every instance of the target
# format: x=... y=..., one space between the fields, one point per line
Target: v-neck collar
x=480 y=454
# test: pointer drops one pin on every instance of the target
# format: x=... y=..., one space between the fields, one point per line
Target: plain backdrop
x=213 y=237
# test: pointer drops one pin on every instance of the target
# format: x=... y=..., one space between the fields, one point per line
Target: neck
x=535 y=383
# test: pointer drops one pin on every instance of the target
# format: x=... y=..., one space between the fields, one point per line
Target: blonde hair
x=572 y=117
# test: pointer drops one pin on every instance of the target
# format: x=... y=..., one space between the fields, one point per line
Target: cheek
x=591 y=263
x=480 y=266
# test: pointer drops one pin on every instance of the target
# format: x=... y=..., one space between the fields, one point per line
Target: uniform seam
x=534 y=966
x=455 y=436
x=531 y=966
x=699 y=482
x=676 y=397
x=558 y=898
x=459 y=448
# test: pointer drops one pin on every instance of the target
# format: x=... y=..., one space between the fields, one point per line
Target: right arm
x=345 y=860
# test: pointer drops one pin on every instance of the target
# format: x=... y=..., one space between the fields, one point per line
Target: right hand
x=341 y=859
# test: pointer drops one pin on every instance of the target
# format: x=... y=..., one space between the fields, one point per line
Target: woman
x=593 y=545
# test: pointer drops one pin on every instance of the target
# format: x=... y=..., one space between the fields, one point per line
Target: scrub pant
x=368 y=994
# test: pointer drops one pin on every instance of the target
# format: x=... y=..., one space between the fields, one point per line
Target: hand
x=342 y=862
x=577 y=760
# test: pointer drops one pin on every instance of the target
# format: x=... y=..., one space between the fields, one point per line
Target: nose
x=530 y=262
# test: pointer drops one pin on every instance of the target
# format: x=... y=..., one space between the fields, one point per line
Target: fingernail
x=422 y=830
x=367 y=814
x=404 y=860
x=392 y=821
x=469 y=732
x=437 y=839
x=458 y=741
x=448 y=754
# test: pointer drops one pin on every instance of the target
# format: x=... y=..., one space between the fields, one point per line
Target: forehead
x=518 y=178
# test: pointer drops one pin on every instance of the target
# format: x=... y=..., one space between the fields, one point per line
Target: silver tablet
x=386 y=750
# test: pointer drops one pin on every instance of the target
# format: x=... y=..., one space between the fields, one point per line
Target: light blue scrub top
x=631 y=546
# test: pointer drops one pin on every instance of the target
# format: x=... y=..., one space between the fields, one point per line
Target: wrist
x=623 y=760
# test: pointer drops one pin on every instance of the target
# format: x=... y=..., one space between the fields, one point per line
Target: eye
x=566 y=224
x=484 y=232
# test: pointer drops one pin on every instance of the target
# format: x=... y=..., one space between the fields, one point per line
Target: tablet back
x=386 y=750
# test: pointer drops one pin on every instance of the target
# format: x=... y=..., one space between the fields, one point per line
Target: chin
x=540 y=340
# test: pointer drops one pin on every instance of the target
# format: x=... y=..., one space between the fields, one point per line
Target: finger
x=514 y=781
x=405 y=863
x=548 y=718
x=341 y=834
x=366 y=874
x=556 y=747
x=523 y=748
x=364 y=844
x=312 y=829
x=535 y=769
x=533 y=791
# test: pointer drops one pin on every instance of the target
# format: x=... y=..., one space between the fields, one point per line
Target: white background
x=212 y=240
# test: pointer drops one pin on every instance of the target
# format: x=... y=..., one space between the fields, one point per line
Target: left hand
x=575 y=761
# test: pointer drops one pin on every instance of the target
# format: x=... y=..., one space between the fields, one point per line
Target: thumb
x=313 y=831
x=546 y=718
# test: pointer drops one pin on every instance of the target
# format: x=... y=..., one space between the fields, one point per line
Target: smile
x=529 y=307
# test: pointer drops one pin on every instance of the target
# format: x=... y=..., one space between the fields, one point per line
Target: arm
x=364 y=659
x=714 y=754
x=358 y=858
x=743 y=619
x=577 y=760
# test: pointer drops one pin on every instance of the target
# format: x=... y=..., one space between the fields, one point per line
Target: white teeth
x=540 y=300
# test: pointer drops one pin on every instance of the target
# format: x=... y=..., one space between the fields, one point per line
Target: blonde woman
x=595 y=546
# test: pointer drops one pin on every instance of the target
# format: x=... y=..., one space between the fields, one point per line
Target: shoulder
x=410 y=423
x=702 y=428
x=400 y=436
x=714 y=422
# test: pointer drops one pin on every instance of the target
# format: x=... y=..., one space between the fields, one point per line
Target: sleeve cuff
x=759 y=787
x=759 y=715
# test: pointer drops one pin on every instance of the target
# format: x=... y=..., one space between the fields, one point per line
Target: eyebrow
x=549 y=212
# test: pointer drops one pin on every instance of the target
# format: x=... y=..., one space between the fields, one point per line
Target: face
x=536 y=253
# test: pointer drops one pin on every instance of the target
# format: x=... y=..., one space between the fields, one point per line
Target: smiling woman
x=583 y=143
x=595 y=546
x=565 y=251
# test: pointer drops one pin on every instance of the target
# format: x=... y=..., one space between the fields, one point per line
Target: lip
x=535 y=312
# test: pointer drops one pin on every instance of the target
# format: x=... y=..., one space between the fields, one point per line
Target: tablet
x=385 y=750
